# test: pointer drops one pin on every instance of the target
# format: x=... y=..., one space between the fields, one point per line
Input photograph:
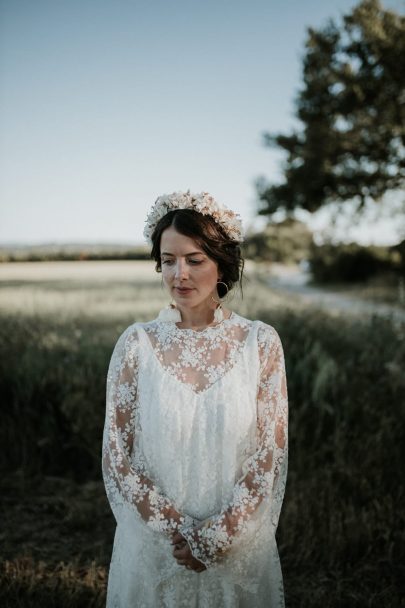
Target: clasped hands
x=182 y=553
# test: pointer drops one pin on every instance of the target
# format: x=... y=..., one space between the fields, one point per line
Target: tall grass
x=341 y=533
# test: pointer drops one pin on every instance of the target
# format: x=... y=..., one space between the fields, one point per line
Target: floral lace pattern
x=212 y=373
x=198 y=358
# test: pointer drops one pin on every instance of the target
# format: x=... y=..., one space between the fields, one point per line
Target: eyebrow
x=191 y=253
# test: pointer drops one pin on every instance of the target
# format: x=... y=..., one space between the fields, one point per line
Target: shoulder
x=237 y=320
x=128 y=341
x=271 y=353
x=268 y=341
x=130 y=338
x=269 y=345
x=267 y=335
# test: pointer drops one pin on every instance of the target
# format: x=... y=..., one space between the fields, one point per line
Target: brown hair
x=212 y=239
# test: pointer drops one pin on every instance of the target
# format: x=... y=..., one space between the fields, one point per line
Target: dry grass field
x=106 y=290
x=341 y=534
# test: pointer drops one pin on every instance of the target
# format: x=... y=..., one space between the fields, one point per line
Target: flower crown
x=203 y=203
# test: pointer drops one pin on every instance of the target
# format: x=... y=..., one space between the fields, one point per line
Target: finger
x=179 y=547
x=189 y=563
x=182 y=553
x=198 y=565
x=176 y=538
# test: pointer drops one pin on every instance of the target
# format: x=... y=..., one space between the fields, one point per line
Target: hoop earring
x=227 y=290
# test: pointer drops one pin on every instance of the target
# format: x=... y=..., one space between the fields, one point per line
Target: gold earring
x=227 y=290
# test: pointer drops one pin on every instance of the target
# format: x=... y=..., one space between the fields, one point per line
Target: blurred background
x=291 y=114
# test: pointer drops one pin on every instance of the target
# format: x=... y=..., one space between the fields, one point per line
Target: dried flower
x=203 y=203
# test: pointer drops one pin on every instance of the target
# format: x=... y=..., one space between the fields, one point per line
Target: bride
x=195 y=437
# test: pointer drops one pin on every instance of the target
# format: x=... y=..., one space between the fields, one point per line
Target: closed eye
x=193 y=262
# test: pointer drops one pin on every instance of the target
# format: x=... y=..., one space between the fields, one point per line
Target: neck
x=196 y=319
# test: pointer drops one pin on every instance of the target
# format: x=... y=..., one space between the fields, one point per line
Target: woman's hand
x=182 y=553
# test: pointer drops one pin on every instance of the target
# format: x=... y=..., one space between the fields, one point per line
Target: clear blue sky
x=106 y=105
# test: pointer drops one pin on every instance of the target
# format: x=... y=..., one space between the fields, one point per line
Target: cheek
x=166 y=273
x=211 y=277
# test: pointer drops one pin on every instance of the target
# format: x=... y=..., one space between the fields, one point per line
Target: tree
x=352 y=106
x=288 y=241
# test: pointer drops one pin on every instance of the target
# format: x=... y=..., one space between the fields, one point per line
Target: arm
x=265 y=471
x=124 y=482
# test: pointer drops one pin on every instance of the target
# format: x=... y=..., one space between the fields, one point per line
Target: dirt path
x=294 y=282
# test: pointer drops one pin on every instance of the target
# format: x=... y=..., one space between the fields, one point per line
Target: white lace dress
x=195 y=441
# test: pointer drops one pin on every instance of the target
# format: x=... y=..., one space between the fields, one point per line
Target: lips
x=183 y=290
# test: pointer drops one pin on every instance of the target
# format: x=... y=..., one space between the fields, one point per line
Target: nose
x=181 y=271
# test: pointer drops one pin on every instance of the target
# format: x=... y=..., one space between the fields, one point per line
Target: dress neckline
x=205 y=329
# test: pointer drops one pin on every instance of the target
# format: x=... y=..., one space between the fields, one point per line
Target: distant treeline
x=288 y=242
x=355 y=263
x=67 y=253
x=291 y=242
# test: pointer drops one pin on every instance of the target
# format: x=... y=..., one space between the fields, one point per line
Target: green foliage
x=352 y=110
x=352 y=262
x=51 y=377
x=288 y=241
x=400 y=251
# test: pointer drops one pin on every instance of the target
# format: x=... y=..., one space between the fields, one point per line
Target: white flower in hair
x=203 y=203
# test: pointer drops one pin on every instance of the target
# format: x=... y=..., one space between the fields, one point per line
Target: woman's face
x=188 y=273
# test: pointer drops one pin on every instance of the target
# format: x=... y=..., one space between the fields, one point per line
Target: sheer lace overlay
x=262 y=478
x=195 y=441
x=124 y=482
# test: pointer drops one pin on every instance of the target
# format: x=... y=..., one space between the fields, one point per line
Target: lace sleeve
x=125 y=483
x=265 y=471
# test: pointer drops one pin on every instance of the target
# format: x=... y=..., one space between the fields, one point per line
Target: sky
x=105 y=105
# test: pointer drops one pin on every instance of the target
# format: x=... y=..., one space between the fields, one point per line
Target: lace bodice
x=198 y=358
x=195 y=437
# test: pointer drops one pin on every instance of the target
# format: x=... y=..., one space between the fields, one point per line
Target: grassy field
x=341 y=534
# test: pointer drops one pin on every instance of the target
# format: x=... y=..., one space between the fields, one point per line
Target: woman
x=195 y=439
